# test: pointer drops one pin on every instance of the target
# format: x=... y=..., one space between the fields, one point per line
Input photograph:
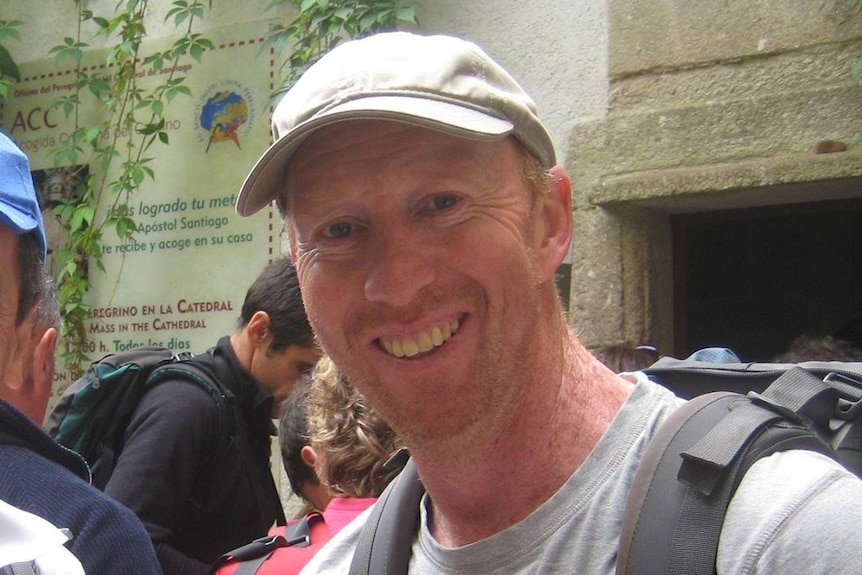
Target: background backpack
x=691 y=468
x=93 y=413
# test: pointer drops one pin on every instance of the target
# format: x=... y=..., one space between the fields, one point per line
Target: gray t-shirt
x=794 y=512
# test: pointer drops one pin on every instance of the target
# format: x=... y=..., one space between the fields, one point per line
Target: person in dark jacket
x=37 y=475
x=196 y=497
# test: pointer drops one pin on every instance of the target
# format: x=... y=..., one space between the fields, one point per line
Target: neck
x=503 y=479
x=243 y=349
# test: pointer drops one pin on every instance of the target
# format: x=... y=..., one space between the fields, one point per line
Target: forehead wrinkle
x=431 y=154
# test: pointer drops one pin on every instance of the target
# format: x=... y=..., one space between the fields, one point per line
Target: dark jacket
x=41 y=477
x=197 y=499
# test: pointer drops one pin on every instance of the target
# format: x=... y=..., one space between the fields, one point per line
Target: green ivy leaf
x=70 y=49
x=171 y=93
x=8 y=67
x=9 y=30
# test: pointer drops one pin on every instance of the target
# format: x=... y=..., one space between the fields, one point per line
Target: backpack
x=93 y=413
x=304 y=536
x=691 y=468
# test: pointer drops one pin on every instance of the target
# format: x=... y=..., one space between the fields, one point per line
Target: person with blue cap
x=52 y=520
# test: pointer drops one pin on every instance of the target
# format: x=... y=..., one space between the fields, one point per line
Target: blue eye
x=339 y=230
x=443 y=202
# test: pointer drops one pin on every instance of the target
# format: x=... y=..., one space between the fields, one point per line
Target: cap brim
x=14 y=218
x=265 y=180
x=21 y=223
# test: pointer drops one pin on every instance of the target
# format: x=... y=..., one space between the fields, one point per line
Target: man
x=37 y=476
x=426 y=216
x=195 y=501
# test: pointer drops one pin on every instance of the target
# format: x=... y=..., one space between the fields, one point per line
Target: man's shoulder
x=22 y=440
x=201 y=375
x=791 y=507
x=31 y=540
x=176 y=395
x=218 y=364
x=792 y=479
x=27 y=473
x=176 y=410
x=48 y=489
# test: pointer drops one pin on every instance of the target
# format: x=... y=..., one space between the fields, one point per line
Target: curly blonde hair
x=352 y=440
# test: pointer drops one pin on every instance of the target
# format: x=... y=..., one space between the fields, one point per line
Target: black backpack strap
x=693 y=465
x=252 y=555
x=386 y=540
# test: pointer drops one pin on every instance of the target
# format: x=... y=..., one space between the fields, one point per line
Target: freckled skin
x=396 y=230
x=399 y=228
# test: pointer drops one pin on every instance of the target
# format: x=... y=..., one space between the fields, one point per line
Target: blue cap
x=715 y=355
x=19 y=206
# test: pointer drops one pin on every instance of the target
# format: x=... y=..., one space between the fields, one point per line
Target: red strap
x=288 y=560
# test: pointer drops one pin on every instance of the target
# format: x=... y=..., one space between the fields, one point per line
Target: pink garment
x=343 y=510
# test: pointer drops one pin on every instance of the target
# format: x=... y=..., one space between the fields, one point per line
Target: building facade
x=715 y=188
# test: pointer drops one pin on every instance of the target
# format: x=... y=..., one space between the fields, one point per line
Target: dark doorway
x=753 y=279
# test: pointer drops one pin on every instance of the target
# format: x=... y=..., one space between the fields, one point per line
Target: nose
x=399 y=267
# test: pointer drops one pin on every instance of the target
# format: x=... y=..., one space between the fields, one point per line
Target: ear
x=258 y=329
x=30 y=375
x=43 y=366
x=309 y=456
x=555 y=223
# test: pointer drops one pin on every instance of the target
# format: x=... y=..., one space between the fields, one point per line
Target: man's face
x=416 y=253
x=278 y=372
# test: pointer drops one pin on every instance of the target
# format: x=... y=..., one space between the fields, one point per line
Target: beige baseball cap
x=438 y=82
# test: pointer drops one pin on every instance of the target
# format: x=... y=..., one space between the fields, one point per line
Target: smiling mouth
x=422 y=342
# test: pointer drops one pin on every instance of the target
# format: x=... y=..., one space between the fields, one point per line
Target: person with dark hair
x=334 y=448
x=275 y=294
x=427 y=216
x=297 y=455
x=807 y=347
x=172 y=445
x=52 y=521
x=623 y=357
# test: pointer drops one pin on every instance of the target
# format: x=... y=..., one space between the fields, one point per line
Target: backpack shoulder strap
x=691 y=468
x=304 y=532
x=386 y=540
x=197 y=368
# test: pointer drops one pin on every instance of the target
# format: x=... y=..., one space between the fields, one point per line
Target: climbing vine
x=320 y=25
x=9 y=73
x=117 y=146
x=110 y=156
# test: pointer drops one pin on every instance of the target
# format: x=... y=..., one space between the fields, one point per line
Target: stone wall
x=713 y=105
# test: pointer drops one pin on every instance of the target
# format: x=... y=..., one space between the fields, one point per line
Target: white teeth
x=436 y=337
x=422 y=342
x=409 y=346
